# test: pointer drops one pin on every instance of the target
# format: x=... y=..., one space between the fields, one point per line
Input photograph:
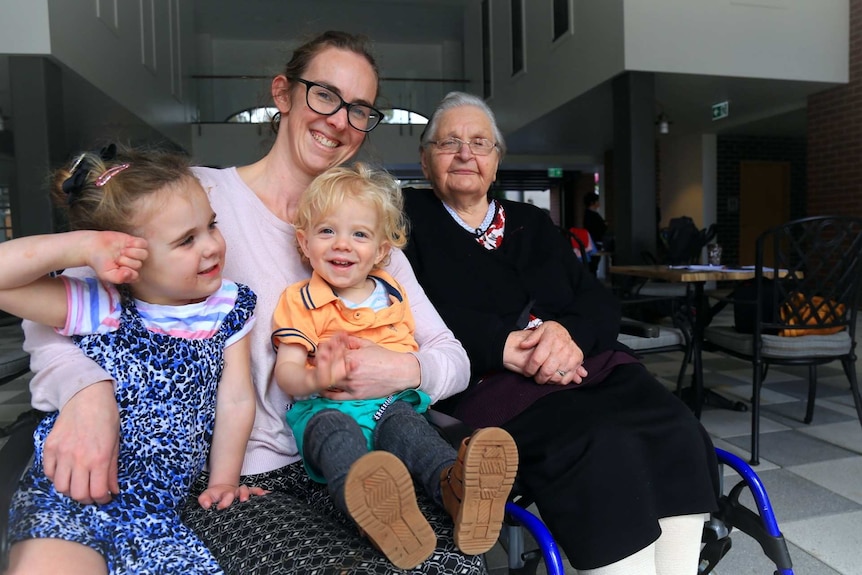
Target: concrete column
x=634 y=167
x=39 y=140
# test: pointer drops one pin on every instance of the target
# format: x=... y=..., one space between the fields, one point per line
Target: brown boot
x=380 y=498
x=475 y=489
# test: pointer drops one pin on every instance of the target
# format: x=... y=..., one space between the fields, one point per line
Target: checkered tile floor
x=811 y=472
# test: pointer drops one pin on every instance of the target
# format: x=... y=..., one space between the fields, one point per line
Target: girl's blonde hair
x=99 y=190
x=370 y=186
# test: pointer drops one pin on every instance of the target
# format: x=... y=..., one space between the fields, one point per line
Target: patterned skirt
x=297 y=529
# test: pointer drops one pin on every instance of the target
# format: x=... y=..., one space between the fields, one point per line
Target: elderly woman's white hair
x=457 y=100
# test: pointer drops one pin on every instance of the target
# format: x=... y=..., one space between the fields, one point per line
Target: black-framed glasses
x=326 y=102
x=479 y=146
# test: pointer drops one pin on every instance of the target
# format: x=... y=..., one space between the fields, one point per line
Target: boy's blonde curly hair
x=361 y=182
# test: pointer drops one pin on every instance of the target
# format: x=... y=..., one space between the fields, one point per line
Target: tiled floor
x=813 y=473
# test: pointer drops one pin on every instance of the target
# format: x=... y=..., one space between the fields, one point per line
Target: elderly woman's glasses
x=325 y=102
x=479 y=146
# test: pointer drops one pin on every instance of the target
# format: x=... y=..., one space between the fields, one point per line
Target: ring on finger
x=561 y=373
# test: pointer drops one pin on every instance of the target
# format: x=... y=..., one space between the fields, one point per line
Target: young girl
x=170 y=330
x=346 y=224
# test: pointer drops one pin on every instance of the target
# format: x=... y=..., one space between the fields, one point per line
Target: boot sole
x=380 y=498
x=490 y=465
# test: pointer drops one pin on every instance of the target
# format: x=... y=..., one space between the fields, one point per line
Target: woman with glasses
x=620 y=470
x=325 y=108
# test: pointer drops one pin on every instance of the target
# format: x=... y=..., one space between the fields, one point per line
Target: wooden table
x=695 y=276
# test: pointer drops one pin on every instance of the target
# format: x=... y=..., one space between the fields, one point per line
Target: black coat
x=481 y=294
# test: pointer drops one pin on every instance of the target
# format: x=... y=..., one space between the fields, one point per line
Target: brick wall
x=835 y=137
x=735 y=149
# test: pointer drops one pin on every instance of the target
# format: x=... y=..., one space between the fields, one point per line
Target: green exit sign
x=555 y=172
x=720 y=110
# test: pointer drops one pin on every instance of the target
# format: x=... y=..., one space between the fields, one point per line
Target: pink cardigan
x=261 y=254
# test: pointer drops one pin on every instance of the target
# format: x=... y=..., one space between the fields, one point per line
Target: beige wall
x=145 y=55
x=780 y=39
x=682 y=178
x=556 y=72
x=145 y=51
x=24 y=27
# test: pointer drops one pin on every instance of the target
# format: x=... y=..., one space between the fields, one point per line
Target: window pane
x=517 y=36
x=561 y=17
x=486 y=48
x=399 y=116
x=261 y=115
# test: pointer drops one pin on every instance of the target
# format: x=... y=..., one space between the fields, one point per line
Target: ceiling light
x=663 y=124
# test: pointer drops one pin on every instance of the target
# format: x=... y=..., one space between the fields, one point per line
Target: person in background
x=325 y=99
x=170 y=331
x=366 y=450
x=595 y=224
x=619 y=468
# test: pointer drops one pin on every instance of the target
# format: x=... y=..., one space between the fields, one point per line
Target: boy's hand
x=331 y=363
x=116 y=257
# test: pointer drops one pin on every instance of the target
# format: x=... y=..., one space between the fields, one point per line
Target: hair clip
x=78 y=159
x=108 y=153
x=110 y=173
x=73 y=185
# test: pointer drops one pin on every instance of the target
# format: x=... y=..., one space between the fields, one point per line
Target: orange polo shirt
x=309 y=312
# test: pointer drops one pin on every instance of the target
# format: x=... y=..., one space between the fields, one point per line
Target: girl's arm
x=235 y=408
x=25 y=288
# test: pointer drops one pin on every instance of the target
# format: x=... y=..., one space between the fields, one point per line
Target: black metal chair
x=675 y=334
x=806 y=315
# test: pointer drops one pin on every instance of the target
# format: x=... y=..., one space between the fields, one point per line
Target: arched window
x=257 y=115
x=401 y=116
x=262 y=115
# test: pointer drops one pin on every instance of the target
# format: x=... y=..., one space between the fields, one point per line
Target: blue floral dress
x=166 y=392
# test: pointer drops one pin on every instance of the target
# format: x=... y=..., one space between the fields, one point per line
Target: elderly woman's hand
x=374 y=371
x=547 y=354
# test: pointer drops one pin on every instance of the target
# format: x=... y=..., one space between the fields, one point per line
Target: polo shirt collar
x=317 y=293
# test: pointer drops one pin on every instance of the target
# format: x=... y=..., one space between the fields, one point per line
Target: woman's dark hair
x=304 y=54
x=590 y=199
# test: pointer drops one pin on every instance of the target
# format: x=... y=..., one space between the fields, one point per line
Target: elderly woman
x=620 y=470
